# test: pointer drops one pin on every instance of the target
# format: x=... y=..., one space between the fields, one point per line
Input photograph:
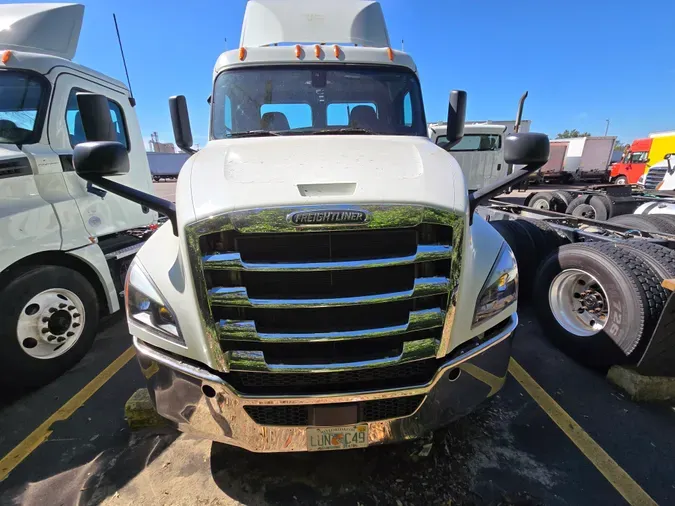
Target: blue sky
x=582 y=61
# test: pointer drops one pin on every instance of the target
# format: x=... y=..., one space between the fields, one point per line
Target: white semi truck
x=65 y=244
x=323 y=283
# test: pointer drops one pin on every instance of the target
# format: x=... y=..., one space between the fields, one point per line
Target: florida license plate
x=337 y=438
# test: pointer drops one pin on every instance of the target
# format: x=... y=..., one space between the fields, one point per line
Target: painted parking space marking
x=42 y=433
x=618 y=478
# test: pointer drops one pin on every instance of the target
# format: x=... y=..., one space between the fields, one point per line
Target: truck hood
x=235 y=174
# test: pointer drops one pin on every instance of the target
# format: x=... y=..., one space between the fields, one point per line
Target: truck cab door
x=102 y=212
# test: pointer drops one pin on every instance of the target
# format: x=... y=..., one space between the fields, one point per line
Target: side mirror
x=180 y=120
x=456 y=117
x=526 y=149
x=529 y=149
x=95 y=160
x=94 y=112
x=100 y=158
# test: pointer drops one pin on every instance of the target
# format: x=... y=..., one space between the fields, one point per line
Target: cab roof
x=268 y=22
x=50 y=29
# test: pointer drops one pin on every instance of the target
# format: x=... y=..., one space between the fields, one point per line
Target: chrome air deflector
x=315 y=289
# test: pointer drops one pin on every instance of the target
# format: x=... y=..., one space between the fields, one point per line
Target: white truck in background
x=324 y=282
x=586 y=159
x=166 y=165
x=65 y=244
x=480 y=153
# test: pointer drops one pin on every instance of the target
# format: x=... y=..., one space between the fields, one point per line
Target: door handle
x=499 y=166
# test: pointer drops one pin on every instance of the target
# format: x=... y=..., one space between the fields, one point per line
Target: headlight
x=146 y=305
x=500 y=289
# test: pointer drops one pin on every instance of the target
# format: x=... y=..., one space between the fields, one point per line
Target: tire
x=670 y=218
x=626 y=282
x=21 y=300
x=594 y=207
x=602 y=206
x=621 y=180
x=566 y=197
x=659 y=258
x=645 y=222
x=155 y=179
x=581 y=199
x=523 y=246
x=584 y=211
x=542 y=200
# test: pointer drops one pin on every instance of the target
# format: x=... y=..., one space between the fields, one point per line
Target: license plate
x=337 y=438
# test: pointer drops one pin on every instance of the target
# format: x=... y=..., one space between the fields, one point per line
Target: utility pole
x=606 y=127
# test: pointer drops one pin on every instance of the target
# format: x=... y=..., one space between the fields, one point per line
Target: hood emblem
x=328 y=217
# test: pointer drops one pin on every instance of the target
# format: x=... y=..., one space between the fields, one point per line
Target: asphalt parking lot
x=556 y=434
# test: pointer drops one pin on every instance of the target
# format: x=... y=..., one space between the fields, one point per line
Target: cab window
x=20 y=106
x=472 y=142
x=638 y=157
x=74 y=122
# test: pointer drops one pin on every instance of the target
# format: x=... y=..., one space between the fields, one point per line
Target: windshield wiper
x=343 y=131
x=254 y=133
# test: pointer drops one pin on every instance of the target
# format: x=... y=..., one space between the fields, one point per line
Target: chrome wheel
x=50 y=323
x=578 y=302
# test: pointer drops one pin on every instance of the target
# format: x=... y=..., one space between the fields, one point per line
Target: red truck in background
x=632 y=164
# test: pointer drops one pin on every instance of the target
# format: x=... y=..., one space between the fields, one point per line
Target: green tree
x=569 y=134
x=619 y=146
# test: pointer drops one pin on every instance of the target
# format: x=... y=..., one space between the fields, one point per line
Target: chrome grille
x=654 y=177
x=330 y=299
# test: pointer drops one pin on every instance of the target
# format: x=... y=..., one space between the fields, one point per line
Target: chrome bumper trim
x=233 y=261
x=204 y=405
x=204 y=375
x=245 y=330
x=238 y=296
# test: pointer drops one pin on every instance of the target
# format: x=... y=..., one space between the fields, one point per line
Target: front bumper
x=202 y=403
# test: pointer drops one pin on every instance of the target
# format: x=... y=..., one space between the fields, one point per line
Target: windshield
x=473 y=142
x=20 y=99
x=637 y=157
x=309 y=100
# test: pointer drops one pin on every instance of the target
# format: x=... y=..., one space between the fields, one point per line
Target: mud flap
x=659 y=356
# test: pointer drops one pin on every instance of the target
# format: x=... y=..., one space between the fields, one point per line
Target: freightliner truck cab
x=323 y=283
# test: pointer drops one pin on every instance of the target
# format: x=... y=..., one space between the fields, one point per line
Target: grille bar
x=654 y=177
x=233 y=261
x=238 y=296
x=254 y=360
x=246 y=330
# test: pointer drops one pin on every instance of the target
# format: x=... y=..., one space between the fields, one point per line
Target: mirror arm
x=499 y=187
x=188 y=150
x=160 y=205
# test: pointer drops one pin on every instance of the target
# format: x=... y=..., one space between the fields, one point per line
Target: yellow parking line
x=620 y=479
x=40 y=435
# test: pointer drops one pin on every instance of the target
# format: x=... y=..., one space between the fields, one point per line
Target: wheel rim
x=541 y=204
x=579 y=302
x=50 y=323
x=585 y=211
